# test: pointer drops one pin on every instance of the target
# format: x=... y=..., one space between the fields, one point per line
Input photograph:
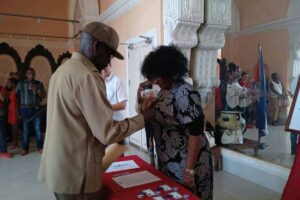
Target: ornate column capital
x=182 y=18
x=217 y=21
x=211 y=39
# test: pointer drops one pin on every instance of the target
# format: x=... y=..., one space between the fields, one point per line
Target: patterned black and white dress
x=178 y=115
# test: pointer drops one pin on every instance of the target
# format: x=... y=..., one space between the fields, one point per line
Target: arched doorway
x=42 y=68
x=10 y=61
x=39 y=50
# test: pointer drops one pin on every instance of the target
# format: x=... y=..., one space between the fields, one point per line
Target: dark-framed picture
x=293 y=120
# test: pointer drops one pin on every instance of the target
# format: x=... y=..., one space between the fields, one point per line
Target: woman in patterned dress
x=182 y=148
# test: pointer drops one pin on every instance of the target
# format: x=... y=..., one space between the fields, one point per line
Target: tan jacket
x=79 y=124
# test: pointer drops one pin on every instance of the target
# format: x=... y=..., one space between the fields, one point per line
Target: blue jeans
x=3 y=146
x=26 y=113
x=293 y=138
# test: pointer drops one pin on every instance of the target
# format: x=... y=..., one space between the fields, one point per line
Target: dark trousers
x=87 y=196
x=245 y=113
x=293 y=137
x=3 y=146
x=26 y=114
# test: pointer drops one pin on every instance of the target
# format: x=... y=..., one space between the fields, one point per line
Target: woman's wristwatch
x=190 y=172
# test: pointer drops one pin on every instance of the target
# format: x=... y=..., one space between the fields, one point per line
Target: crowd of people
x=20 y=108
x=239 y=92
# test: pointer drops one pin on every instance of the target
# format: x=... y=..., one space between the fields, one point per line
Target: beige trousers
x=274 y=103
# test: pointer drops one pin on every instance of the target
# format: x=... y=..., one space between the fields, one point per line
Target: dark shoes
x=24 y=152
x=275 y=123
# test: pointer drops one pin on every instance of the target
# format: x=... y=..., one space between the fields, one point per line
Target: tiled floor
x=18 y=181
x=279 y=145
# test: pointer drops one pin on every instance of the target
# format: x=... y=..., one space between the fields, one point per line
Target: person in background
x=294 y=137
x=9 y=132
x=182 y=148
x=30 y=93
x=244 y=82
x=222 y=89
x=236 y=96
x=116 y=94
x=13 y=111
x=275 y=92
x=3 y=118
x=80 y=118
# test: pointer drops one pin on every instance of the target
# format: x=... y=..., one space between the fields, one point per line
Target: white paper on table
x=122 y=165
x=135 y=179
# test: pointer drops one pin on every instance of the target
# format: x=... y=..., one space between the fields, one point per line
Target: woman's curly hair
x=166 y=62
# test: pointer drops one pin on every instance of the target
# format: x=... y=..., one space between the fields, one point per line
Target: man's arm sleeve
x=91 y=99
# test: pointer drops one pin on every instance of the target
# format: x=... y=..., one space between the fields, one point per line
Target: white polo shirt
x=277 y=88
x=116 y=93
x=234 y=92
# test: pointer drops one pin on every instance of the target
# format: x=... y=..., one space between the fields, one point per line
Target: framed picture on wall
x=293 y=120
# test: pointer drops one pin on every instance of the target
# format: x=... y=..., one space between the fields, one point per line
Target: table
x=247 y=144
x=114 y=191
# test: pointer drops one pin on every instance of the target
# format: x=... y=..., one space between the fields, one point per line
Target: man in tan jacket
x=79 y=118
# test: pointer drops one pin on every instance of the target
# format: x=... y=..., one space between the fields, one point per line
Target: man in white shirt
x=236 y=96
x=116 y=93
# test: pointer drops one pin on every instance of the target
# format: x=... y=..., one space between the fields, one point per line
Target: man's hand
x=33 y=87
x=148 y=103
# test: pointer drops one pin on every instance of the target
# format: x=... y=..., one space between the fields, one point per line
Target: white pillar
x=211 y=39
x=182 y=18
